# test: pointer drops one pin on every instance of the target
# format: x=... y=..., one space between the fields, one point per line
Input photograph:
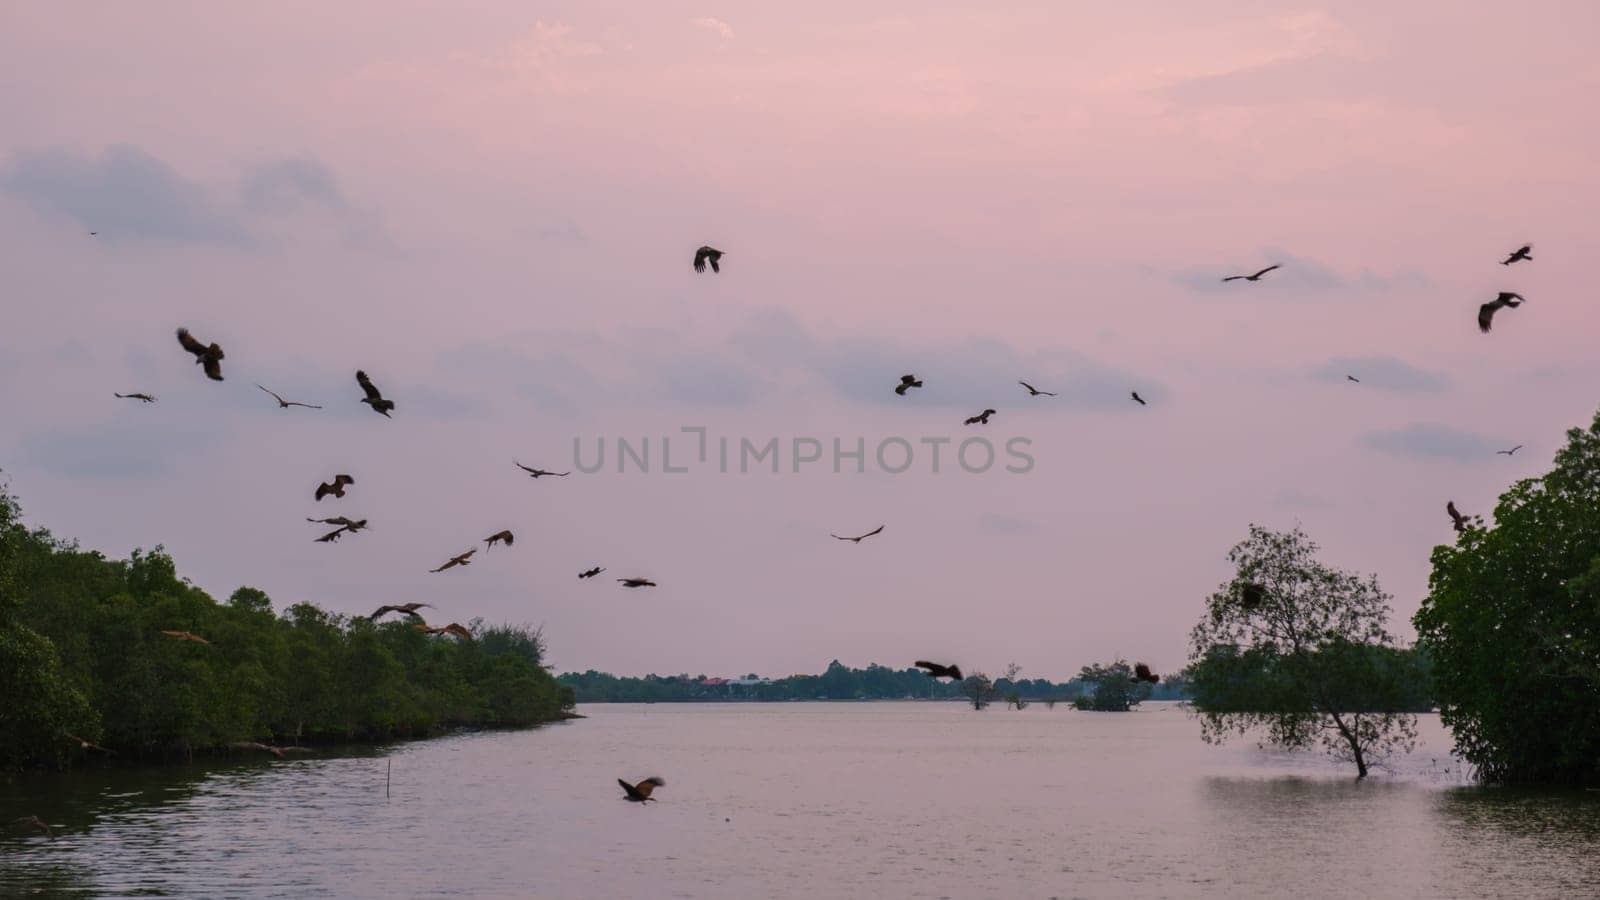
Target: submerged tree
x=1013 y=692
x=1112 y=688
x=1512 y=624
x=978 y=689
x=1299 y=650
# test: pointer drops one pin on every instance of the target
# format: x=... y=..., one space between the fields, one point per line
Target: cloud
x=1423 y=440
x=1299 y=276
x=1384 y=373
x=114 y=450
x=290 y=185
x=124 y=192
x=722 y=29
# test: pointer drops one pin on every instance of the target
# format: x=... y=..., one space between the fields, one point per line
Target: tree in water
x=1300 y=650
x=978 y=689
x=1013 y=693
x=1112 y=688
x=1512 y=624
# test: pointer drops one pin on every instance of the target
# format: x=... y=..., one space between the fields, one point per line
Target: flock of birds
x=209 y=356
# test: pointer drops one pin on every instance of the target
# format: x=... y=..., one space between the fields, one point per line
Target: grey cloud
x=290 y=185
x=125 y=192
x=1384 y=373
x=1424 y=440
x=113 y=450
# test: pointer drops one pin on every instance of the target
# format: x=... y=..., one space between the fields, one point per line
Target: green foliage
x=1512 y=624
x=978 y=690
x=82 y=653
x=1111 y=688
x=1299 y=650
x=838 y=682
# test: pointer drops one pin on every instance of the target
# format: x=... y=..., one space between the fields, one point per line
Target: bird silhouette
x=858 y=538
x=707 y=255
x=1251 y=596
x=590 y=573
x=640 y=793
x=1518 y=255
x=536 y=473
x=186 y=636
x=1511 y=452
x=1141 y=672
x=208 y=357
x=1486 y=312
x=907 y=382
x=935 y=670
x=1352 y=378
x=498 y=536
x=636 y=582
x=455 y=628
x=1138 y=399
x=1255 y=277
x=464 y=559
x=285 y=404
x=1034 y=392
x=345 y=525
x=334 y=487
x=34 y=823
x=409 y=609
x=373 y=398
x=1456 y=518
x=981 y=418
x=146 y=398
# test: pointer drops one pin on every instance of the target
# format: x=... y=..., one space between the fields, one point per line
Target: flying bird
x=409 y=609
x=373 y=398
x=1251 y=596
x=464 y=559
x=1486 y=312
x=707 y=255
x=640 y=793
x=455 y=628
x=498 y=536
x=1138 y=399
x=1511 y=452
x=1255 y=277
x=208 y=357
x=1352 y=378
x=345 y=524
x=186 y=636
x=590 y=573
x=88 y=745
x=285 y=404
x=1456 y=518
x=1034 y=392
x=539 y=472
x=636 y=582
x=256 y=745
x=334 y=487
x=143 y=397
x=34 y=823
x=937 y=671
x=1518 y=255
x=981 y=418
x=906 y=383
x=858 y=538
x=1141 y=672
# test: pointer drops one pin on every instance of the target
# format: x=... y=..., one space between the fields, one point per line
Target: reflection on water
x=808 y=800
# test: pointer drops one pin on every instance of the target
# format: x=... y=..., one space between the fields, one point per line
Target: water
x=809 y=800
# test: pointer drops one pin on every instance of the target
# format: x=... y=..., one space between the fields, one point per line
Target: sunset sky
x=491 y=208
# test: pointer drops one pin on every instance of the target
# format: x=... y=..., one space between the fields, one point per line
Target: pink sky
x=491 y=208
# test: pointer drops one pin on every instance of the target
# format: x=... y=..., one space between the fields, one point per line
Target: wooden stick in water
x=387 y=769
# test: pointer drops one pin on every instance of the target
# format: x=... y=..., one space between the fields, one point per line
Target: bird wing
x=873 y=532
x=187 y=341
x=924 y=664
x=1486 y=315
x=901 y=389
x=648 y=785
x=383 y=609
x=212 y=367
x=1233 y=278
x=273 y=393
x=367 y=387
x=1264 y=271
x=631 y=791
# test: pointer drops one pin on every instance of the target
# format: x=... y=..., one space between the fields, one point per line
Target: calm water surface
x=808 y=800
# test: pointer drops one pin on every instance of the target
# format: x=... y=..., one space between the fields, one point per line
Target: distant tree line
x=86 y=669
x=837 y=682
